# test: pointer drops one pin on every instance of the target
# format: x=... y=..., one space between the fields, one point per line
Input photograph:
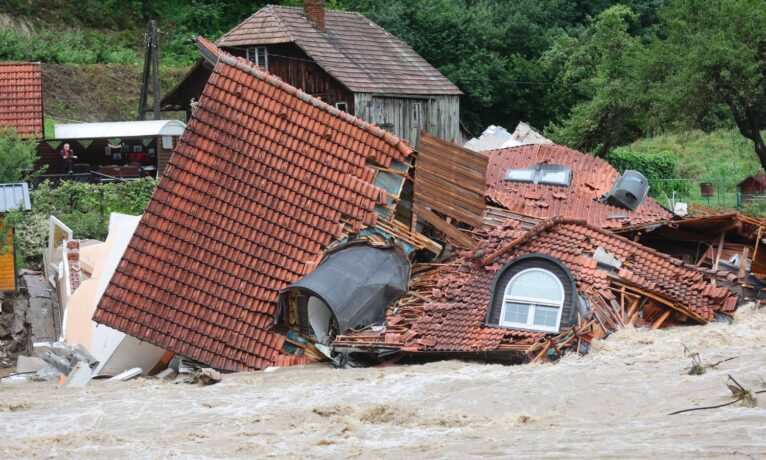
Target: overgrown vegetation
x=84 y=207
x=17 y=158
x=656 y=166
x=67 y=46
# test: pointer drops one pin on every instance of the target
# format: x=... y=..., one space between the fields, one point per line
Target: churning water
x=611 y=403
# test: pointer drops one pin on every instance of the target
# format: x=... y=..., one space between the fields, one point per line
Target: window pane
x=546 y=316
x=520 y=175
x=516 y=313
x=536 y=284
x=555 y=177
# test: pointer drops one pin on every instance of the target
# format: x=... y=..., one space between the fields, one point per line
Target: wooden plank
x=718 y=254
x=661 y=319
x=452 y=232
x=743 y=263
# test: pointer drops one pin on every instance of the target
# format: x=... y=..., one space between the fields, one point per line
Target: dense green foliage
x=656 y=166
x=17 y=158
x=594 y=73
x=85 y=208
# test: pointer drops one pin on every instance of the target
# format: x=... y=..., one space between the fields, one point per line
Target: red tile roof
x=354 y=50
x=21 y=98
x=263 y=179
x=452 y=318
x=591 y=178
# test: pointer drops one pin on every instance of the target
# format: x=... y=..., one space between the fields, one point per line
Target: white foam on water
x=612 y=403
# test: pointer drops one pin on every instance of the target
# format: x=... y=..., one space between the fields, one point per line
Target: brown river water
x=612 y=403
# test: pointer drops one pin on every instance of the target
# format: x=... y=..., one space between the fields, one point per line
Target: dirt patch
x=99 y=92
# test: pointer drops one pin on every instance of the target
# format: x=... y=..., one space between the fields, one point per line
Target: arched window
x=534 y=300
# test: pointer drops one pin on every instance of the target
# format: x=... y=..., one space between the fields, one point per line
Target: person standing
x=67 y=154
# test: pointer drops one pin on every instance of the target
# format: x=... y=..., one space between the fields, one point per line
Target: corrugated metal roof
x=14 y=195
x=120 y=129
x=354 y=50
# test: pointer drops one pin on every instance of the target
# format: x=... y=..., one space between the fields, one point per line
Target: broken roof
x=447 y=308
x=591 y=178
x=354 y=50
x=262 y=181
x=21 y=98
x=497 y=137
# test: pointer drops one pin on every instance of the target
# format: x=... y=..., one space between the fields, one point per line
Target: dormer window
x=259 y=55
x=533 y=299
x=541 y=173
x=533 y=293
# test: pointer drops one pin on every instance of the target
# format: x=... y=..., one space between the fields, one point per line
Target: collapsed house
x=286 y=231
x=262 y=182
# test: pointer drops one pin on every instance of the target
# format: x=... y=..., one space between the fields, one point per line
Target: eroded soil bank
x=611 y=403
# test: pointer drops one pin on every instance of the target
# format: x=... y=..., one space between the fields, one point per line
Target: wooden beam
x=757 y=241
x=661 y=319
x=452 y=233
x=718 y=253
x=743 y=263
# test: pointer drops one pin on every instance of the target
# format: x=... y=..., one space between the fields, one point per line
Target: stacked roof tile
x=452 y=317
x=591 y=178
x=354 y=50
x=263 y=180
x=21 y=98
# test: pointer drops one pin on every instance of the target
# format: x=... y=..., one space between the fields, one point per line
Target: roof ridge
x=400 y=144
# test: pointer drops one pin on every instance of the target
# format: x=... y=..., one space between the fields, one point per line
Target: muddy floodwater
x=612 y=403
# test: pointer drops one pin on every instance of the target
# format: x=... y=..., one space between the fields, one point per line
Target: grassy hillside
x=98 y=92
x=718 y=154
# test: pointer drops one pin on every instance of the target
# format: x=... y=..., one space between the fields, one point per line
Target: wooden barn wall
x=439 y=115
x=288 y=62
x=189 y=88
x=449 y=179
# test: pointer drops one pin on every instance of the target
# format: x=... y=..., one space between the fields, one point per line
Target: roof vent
x=629 y=191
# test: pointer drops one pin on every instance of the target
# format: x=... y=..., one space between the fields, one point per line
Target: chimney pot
x=315 y=12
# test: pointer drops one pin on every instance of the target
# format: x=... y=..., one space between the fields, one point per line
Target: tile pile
x=446 y=307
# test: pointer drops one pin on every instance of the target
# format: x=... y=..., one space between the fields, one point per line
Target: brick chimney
x=315 y=11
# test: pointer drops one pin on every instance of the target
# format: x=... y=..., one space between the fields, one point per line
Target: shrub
x=17 y=158
x=657 y=167
x=85 y=208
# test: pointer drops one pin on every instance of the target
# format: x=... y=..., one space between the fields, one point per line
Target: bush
x=657 y=167
x=85 y=208
x=17 y=158
x=65 y=47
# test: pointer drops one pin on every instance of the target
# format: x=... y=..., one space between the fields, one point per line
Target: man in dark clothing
x=67 y=154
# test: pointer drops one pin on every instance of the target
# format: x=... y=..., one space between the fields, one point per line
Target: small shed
x=124 y=148
x=753 y=185
x=12 y=196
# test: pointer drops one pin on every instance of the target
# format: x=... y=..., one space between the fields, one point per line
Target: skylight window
x=541 y=173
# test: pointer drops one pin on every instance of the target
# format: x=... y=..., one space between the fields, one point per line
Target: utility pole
x=151 y=67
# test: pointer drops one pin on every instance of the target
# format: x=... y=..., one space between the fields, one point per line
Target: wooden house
x=343 y=59
x=12 y=196
x=753 y=185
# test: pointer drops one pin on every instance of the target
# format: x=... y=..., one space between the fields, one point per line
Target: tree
x=598 y=66
x=711 y=53
x=17 y=158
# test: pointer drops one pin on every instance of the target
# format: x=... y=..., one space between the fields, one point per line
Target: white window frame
x=343 y=103
x=253 y=55
x=532 y=303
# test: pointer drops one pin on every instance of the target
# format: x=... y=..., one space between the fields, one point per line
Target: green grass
x=723 y=154
x=722 y=157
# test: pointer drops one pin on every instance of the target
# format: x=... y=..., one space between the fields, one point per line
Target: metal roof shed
x=120 y=129
x=125 y=148
x=13 y=196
